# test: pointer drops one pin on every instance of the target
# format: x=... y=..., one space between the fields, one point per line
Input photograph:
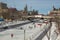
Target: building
x=55 y=12
x=3 y=5
x=3 y=9
x=13 y=13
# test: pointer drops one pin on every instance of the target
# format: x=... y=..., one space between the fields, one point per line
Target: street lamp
x=49 y=32
x=24 y=34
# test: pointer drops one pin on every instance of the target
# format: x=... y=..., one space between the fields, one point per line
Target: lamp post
x=50 y=29
x=24 y=34
x=49 y=32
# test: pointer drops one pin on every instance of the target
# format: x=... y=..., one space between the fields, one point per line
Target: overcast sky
x=43 y=6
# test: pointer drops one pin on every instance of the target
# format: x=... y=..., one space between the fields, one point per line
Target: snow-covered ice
x=13 y=23
x=53 y=34
x=30 y=32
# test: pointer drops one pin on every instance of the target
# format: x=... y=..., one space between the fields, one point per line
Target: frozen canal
x=31 y=30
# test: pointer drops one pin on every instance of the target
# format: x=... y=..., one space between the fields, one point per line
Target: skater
x=12 y=35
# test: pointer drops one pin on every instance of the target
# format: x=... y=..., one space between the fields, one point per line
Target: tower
x=26 y=9
x=54 y=8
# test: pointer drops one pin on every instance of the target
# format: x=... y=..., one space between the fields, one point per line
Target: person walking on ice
x=12 y=35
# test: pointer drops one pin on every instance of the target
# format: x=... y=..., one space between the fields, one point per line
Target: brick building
x=3 y=9
x=55 y=13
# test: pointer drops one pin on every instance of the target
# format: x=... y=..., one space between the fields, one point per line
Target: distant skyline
x=43 y=6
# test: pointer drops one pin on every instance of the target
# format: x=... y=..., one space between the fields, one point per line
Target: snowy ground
x=53 y=34
x=58 y=38
x=31 y=30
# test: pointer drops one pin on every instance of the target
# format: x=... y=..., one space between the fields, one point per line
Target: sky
x=43 y=6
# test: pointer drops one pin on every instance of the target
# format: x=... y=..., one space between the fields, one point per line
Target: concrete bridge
x=39 y=16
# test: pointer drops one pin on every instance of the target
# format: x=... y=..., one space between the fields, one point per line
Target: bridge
x=39 y=16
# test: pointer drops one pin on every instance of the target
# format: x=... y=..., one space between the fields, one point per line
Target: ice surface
x=32 y=30
x=18 y=34
x=13 y=23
